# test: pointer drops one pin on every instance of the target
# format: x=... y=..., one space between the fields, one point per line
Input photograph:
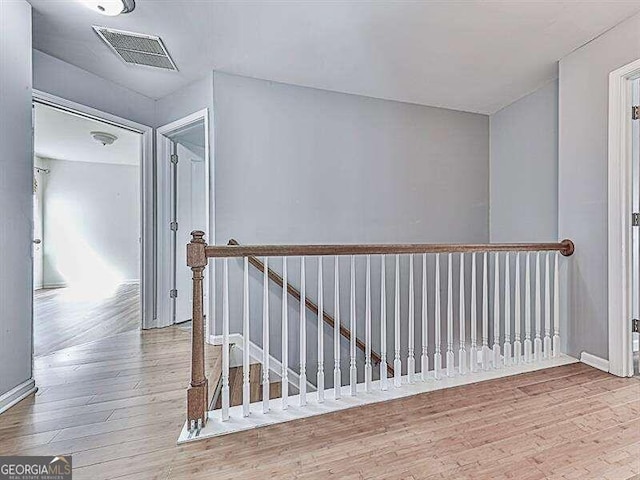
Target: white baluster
x=411 y=362
x=486 y=352
x=556 y=306
x=320 y=377
x=547 y=309
x=353 y=372
x=537 y=344
x=507 y=311
x=450 y=355
x=384 y=379
x=424 y=359
x=225 y=341
x=397 y=364
x=528 y=350
x=462 y=352
x=302 y=387
x=246 y=389
x=285 y=337
x=368 y=371
x=437 y=356
x=337 y=375
x=497 y=361
x=517 y=345
x=265 y=337
x=473 y=352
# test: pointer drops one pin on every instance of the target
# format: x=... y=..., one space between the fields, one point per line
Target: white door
x=636 y=229
x=191 y=215
x=38 y=257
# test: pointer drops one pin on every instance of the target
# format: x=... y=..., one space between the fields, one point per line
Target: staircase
x=255 y=386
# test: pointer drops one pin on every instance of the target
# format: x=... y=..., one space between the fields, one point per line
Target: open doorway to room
x=183 y=206
x=87 y=229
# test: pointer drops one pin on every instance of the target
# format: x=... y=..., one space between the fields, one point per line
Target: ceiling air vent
x=137 y=48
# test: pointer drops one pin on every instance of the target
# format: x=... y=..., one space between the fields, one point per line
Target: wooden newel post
x=198 y=391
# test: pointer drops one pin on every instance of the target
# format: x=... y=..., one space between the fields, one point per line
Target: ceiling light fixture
x=110 y=7
x=104 y=138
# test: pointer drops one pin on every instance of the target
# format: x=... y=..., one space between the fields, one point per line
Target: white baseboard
x=16 y=394
x=128 y=281
x=595 y=362
x=234 y=339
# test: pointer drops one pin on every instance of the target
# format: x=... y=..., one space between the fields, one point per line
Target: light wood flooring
x=61 y=319
x=118 y=404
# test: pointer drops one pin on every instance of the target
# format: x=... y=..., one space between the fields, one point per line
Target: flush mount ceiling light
x=110 y=7
x=104 y=138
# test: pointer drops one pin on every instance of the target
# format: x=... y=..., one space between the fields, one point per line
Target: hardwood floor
x=117 y=405
x=62 y=319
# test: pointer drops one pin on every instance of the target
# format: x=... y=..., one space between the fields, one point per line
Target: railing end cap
x=568 y=247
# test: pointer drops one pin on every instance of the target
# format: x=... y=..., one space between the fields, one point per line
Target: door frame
x=147 y=194
x=620 y=186
x=163 y=147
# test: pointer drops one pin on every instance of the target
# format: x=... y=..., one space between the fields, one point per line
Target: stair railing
x=311 y=306
x=535 y=326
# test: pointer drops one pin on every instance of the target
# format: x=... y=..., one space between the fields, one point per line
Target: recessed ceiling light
x=110 y=7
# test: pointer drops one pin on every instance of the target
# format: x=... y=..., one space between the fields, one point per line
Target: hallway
x=117 y=405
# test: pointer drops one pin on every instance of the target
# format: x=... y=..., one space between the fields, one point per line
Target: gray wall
x=73 y=193
x=16 y=188
x=64 y=80
x=190 y=99
x=299 y=165
x=582 y=199
x=524 y=169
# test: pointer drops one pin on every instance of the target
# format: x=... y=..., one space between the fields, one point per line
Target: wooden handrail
x=565 y=247
x=311 y=306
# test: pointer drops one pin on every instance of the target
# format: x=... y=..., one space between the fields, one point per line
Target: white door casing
x=620 y=242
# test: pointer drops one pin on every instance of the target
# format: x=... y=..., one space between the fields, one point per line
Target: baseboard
x=595 y=362
x=129 y=281
x=16 y=394
x=234 y=339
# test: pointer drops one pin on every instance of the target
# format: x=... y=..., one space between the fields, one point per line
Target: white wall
x=16 y=189
x=524 y=169
x=582 y=198
x=92 y=223
x=64 y=80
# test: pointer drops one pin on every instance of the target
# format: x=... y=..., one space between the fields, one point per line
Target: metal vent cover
x=137 y=48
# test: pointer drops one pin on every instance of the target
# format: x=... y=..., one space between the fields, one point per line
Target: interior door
x=38 y=257
x=636 y=229
x=191 y=215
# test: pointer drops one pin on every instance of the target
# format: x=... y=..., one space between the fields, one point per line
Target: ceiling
x=469 y=55
x=60 y=135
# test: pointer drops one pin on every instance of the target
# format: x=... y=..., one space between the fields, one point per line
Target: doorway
x=87 y=244
x=623 y=257
x=184 y=174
